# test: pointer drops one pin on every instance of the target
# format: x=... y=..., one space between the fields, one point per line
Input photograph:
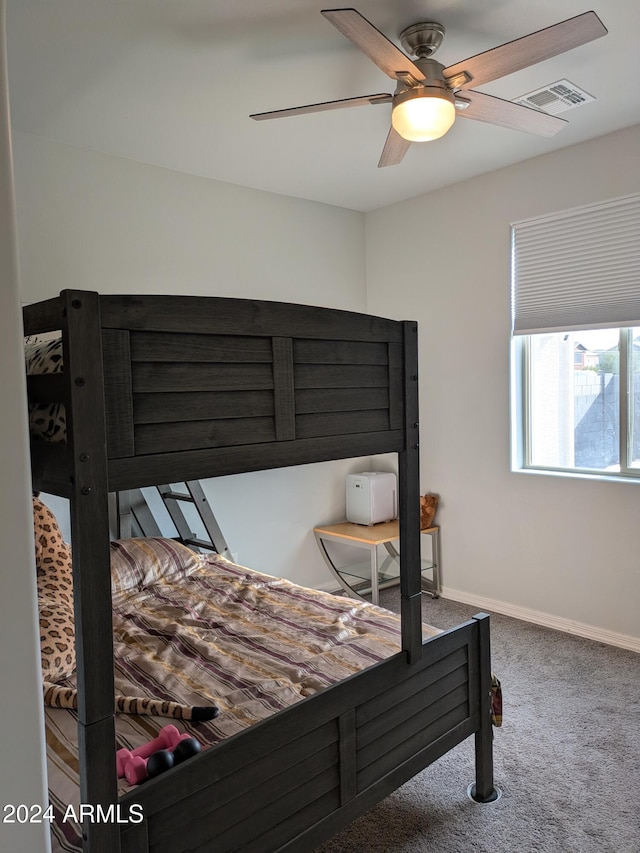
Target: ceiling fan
x=428 y=96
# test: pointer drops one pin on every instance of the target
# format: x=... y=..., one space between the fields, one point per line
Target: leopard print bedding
x=57 y=633
x=46 y=420
x=55 y=596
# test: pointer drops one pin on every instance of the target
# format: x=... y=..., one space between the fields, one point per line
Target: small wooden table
x=362 y=578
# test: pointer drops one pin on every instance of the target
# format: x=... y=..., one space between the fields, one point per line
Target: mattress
x=204 y=630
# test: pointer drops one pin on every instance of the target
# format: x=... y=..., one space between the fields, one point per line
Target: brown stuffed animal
x=428 y=507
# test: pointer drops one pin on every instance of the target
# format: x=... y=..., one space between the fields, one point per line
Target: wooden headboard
x=202 y=386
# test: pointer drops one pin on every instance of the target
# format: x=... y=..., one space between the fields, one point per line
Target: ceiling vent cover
x=556 y=97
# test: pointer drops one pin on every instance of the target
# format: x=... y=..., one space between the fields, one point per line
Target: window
x=576 y=340
x=583 y=416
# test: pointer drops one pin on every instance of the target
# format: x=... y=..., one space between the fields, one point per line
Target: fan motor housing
x=427 y=88
x=433 y=78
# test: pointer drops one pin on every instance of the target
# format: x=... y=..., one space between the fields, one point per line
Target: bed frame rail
x=295 y=779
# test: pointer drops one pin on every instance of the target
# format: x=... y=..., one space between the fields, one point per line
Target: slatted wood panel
x=319 y=744
x=398 y=724
x=411 y=735
x=341 y=423
x=171 y=392
x=196 y=391
x=340 y=352
x=161 y=377
x=341 y=400
x=193 y=435
x=296 y=776
x=341 y=386
x=170 y=347
x=311 y=785
x=201 y=405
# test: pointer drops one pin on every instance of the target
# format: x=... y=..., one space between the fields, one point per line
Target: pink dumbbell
x=138 y=769
x=132 y=763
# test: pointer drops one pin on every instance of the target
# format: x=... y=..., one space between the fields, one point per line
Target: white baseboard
x=537 y=617
x=547 y=620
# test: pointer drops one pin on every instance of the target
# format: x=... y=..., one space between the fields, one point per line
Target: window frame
x=521 y=409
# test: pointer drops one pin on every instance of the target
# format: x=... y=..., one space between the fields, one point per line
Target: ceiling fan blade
x=371 y=41
x=507 y=114
x=382 y=98
x=394 y=149
x=526 y=51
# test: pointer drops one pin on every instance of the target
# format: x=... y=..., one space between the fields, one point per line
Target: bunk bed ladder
x=136 y=516
x=194 y=495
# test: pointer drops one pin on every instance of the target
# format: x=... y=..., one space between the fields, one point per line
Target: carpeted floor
x=567 y=757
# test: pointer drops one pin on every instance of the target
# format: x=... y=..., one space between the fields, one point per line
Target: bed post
x=409 y=502
x=86 y=435
x=484 y=791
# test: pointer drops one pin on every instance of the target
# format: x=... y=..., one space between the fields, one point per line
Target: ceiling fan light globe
x=423 y=118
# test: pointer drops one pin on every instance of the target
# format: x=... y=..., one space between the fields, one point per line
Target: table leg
x=375 y=597
x=435 y=556
x=327 y=558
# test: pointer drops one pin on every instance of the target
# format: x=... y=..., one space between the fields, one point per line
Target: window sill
x=580 y=475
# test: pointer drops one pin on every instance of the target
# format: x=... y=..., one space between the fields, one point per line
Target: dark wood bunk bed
x=167 y=389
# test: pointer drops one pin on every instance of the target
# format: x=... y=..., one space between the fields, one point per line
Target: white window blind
x=577 y=269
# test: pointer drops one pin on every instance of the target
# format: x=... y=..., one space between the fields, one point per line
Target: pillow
x=43 y=356
x=57 y=639
x=136 y=563
x=55 y=595
x=53 y=556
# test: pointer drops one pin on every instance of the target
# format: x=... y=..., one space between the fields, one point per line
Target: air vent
x=556 y=97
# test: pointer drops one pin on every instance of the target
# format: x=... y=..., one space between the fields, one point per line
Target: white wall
x=566 y=547
x=21 y=716
x=88 y=220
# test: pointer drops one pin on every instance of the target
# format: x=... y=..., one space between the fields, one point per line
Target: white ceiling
x=172 y=83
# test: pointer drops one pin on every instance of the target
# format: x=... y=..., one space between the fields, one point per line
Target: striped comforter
x=251 y=643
